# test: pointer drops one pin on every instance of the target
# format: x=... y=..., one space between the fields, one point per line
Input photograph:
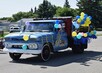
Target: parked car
x=14 y=29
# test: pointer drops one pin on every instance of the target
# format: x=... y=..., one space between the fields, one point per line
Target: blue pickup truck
x=41 y=37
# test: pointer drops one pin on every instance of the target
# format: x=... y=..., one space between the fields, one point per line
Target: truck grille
x=17 y=46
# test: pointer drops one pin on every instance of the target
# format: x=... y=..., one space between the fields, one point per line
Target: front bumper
x=13 y=50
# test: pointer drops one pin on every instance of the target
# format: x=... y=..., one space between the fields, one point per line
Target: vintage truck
x=39 y=37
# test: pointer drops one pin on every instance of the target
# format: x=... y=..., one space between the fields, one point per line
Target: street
x=64 y=62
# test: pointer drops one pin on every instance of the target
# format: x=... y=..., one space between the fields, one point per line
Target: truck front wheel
x=15 y=56
x=77 y=49
x=46 y=53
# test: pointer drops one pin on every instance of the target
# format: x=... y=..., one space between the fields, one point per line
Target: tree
x=67 y=4
x=46 y=10
x=92 y=8
x=35 y=10
x=65 y=12
x=21 y=15
x=31 y=10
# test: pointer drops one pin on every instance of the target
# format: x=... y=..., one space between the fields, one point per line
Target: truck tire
x=46 y=53
x=15 y=56
x=77 y=49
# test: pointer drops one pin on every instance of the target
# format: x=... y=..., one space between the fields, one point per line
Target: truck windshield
x=39 y=27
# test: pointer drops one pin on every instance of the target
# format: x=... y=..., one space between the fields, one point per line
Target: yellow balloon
x=82 y=13
x=83 y=25
x=25 y=37
x=86 y=23
x=89 y=22
x=82 y=17
x=85 y=35
x=74 y=34
x=87 y=19
x=79 y=20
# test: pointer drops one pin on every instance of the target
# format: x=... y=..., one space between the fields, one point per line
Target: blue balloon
x=57 y=22
x=90 y=17
x=84 y=19
x=79 y=36
x=77 y=17
x=94 y=32
x=56 y=25
x=85 y=15
x=89 y=34
x=76 y=25
x=84 y=40
x=82 y=22
x=94 y=36
x=24 y=47
x=76 y=41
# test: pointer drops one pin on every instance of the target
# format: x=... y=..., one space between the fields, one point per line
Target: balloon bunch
x=79 y=35
x=92 y=34
x=57 y=24
x=83 y=37
x=82 y=20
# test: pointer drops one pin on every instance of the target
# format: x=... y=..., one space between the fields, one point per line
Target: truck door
x=61 y=41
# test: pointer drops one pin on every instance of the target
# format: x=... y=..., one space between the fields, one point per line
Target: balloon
x=59 y=26
x=82 y=22
x=74 y=34
x=84 y=40
x=94 y=32
x=79 y=20
x=76 y=25
x=90 y=17
x=89 y=34
x=56 y=22
x=78 y=36
x=24 y=47
x=85 y=15
x=27 y=23
x=94 y=36
x=86 y=23
x=85 y=35
x=81 y=17
x=82 y=13
x=77 y=17
x=89 y=22
x=81 y=34
x=84 y=19
x=25 y=37
x=56 y=25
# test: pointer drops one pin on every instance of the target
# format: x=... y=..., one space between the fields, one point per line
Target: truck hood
x=30 y=34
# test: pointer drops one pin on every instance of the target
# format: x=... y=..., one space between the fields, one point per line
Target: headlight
x=32 y=46
x=8 y=45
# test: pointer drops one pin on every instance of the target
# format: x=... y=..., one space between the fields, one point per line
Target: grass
x=5 y=33
x=99 y=34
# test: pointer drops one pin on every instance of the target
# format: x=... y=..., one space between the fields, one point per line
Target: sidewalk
x=99 y=32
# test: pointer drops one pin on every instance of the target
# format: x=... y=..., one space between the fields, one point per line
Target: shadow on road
x=64 y=58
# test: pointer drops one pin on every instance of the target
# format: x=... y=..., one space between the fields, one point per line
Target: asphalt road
x=65 y=62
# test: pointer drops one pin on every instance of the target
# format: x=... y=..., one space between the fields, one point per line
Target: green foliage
x=65 y=11
x=21 y=15
x=46 y=10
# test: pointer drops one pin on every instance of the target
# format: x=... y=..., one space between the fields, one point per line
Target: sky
x=9 y=7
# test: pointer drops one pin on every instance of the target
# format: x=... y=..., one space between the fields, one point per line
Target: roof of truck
x=45 y=21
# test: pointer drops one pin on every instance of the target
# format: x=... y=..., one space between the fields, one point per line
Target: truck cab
x=40 y=37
